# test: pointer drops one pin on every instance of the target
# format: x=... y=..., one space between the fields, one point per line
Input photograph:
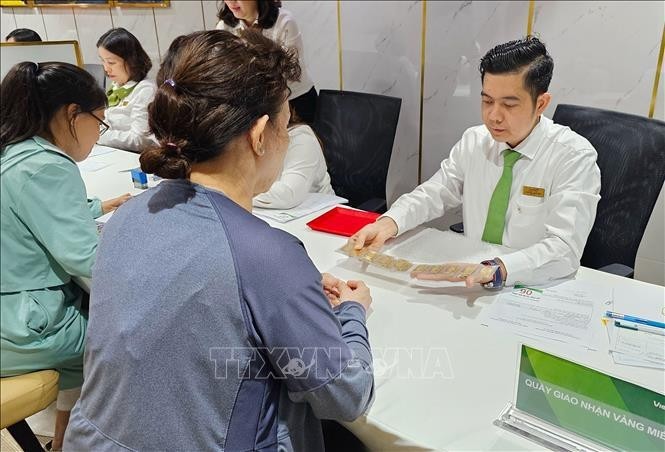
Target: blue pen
x=639 y=327
x=630 y=318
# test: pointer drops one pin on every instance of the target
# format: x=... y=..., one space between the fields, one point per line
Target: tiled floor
x=9 y=445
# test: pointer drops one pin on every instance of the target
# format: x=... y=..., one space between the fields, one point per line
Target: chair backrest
x=357 y=131
x=97 y=71
x=631 y=158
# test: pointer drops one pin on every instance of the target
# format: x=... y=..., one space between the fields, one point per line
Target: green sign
x=604 y=409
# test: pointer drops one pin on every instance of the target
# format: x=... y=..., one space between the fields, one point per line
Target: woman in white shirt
x=304 y=170
x=126 y=64
x=280 y=26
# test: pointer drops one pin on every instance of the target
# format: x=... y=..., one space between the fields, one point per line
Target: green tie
x=115 y=96
x=496 y=214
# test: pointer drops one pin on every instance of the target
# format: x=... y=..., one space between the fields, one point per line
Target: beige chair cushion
x=24 y=395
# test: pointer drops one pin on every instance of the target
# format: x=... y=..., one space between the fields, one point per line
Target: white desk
x=454 y=411
x=114 y=179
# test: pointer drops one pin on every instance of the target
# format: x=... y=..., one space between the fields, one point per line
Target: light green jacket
x=48 y=236
x=48 y=228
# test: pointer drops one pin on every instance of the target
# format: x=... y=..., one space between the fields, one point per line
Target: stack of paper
x=640 y=340
x=636 y=333
x=312 y=203
x=636 y=348
x=567 y=312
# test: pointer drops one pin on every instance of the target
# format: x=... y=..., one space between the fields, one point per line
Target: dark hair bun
x=211 y=88
x=166 y=160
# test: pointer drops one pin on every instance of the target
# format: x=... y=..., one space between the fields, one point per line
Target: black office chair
x=97 y=71
x=357 y=131
x=631 y=158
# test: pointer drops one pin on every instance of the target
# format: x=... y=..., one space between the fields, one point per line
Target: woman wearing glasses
x=126 y=64
x=50 y=119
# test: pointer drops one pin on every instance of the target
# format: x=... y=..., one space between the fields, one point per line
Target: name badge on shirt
x=533 y=191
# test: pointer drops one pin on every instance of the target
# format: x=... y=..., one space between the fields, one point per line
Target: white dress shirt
x=549 y=231
x=304 y=172
x=284 y=32
x=129 y=119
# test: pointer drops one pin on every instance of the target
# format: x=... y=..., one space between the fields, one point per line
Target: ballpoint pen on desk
x=639 y=327
x=630 y=318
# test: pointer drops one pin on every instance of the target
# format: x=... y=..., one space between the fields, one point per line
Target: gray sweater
x=209 y=330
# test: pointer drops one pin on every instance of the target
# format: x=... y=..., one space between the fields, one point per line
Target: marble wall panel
x=459 y=33
x=30 y=18
x=7 y=21
x=141 y=23
x=181 y=18
x=605 y=53
x=382 y=56
x=317 y=21
x=60 y=24
x=91 y=23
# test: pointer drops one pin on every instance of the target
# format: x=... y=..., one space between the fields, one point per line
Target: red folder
x=342 y=221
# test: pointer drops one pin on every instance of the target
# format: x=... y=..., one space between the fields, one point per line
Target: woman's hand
x=339 y=291
x=111 y=204
x=355 y=291
x=331 y=288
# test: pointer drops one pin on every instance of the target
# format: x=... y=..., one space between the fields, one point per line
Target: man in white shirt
x=524 y=182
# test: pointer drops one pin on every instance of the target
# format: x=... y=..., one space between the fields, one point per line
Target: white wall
x=381 y=55
x=154 y=28
x=605 y=55
x=318 y=24
x=452 y=83
x=650 y=261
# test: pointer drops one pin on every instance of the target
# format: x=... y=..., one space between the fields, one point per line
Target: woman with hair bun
x=221 y=334
x=51 y=115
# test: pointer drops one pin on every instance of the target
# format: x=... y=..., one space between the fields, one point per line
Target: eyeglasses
x=103 y=127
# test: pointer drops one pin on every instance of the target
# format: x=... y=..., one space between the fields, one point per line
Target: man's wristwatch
x=497 y=281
